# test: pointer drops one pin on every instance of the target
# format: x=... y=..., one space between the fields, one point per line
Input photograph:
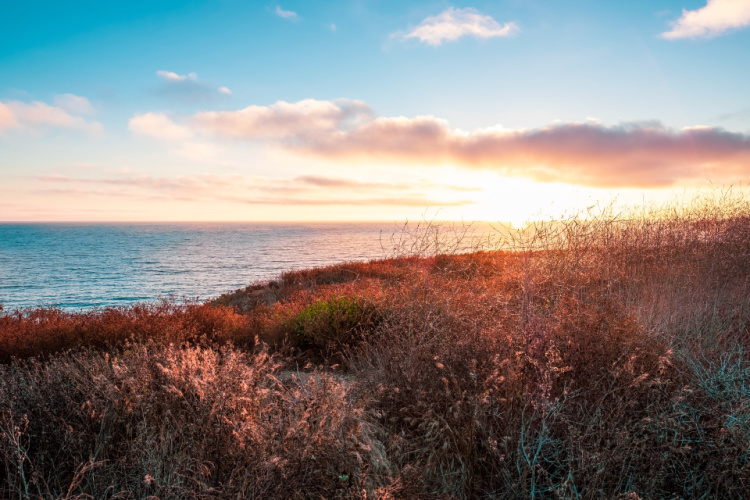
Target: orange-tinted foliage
x=597 y=358
x=38 y=332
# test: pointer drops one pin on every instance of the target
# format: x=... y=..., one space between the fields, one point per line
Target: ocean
x=82 y=266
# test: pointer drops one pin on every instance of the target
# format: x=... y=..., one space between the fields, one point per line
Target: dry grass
x=598 y=356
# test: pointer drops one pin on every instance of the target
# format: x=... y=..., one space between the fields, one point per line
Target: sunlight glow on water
x=77 y=266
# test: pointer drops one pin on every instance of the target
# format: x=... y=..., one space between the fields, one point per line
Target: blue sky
x=520 y=70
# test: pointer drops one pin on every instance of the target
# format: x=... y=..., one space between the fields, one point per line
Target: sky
x=234 y=110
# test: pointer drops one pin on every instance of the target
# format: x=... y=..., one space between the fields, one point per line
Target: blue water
x=76 y=266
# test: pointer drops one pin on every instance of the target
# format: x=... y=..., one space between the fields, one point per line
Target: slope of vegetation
x=592 y=357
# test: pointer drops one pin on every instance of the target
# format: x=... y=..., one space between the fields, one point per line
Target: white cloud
x=159 y=126
x=286 y=14
x=717 y=17
x=283 y=119
x=174 y=77
x=452 y=24
x=187 y=88
x=75 y=104
x=332 y=27
x=39 y=116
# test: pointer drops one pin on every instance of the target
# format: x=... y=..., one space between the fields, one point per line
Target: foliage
x=335 y=323
x=597 y=356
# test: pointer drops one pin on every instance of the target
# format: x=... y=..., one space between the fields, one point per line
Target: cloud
x=333 y=182
x=337 y=182
x=240 y=189
x=174 y=77
x=286 y=14
x=410 y=201
x=716 y=18
x=181 y=188
x=7 y=117
x=644 y=154
x=187 y=88
x=39 y=117
x=159 y=126
x=284 y=119
x=452 y=24
x=74 y=104
x=742 y=114
x=198 y=151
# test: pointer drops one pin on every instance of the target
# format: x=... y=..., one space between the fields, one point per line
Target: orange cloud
x=626 y=155
x=578 y=153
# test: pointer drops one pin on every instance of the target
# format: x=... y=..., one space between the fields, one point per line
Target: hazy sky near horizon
x=366 y=110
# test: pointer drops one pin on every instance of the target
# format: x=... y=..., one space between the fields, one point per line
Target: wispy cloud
x=338 y=182
x=159 y=126
x=39 y=116
x=74 y=104
x=188 y=87
x=7 y=117
x=452 y=24
x=742 y=114
x=174 y=77
x=180 y=137
x=586 y=153
x=303 y=190
x=286 y=14
x=409 y=201
x=716 y=18
x=198 y=151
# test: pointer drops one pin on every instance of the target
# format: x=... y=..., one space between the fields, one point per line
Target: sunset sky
x=366 y=110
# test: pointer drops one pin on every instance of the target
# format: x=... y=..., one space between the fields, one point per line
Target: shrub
x=40 y=332
x=181 y=422
x=335 y=323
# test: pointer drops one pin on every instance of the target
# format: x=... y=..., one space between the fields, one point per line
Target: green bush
x=336 y=322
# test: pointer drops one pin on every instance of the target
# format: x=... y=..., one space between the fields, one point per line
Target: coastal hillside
x=597 y=356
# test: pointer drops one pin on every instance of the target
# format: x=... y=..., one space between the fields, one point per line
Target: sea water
x=82 y=266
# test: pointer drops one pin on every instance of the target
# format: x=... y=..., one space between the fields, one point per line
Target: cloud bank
x=716 y=18
x=301 y=190
x=39 y=116
x=452 y=24
x=638 y=154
